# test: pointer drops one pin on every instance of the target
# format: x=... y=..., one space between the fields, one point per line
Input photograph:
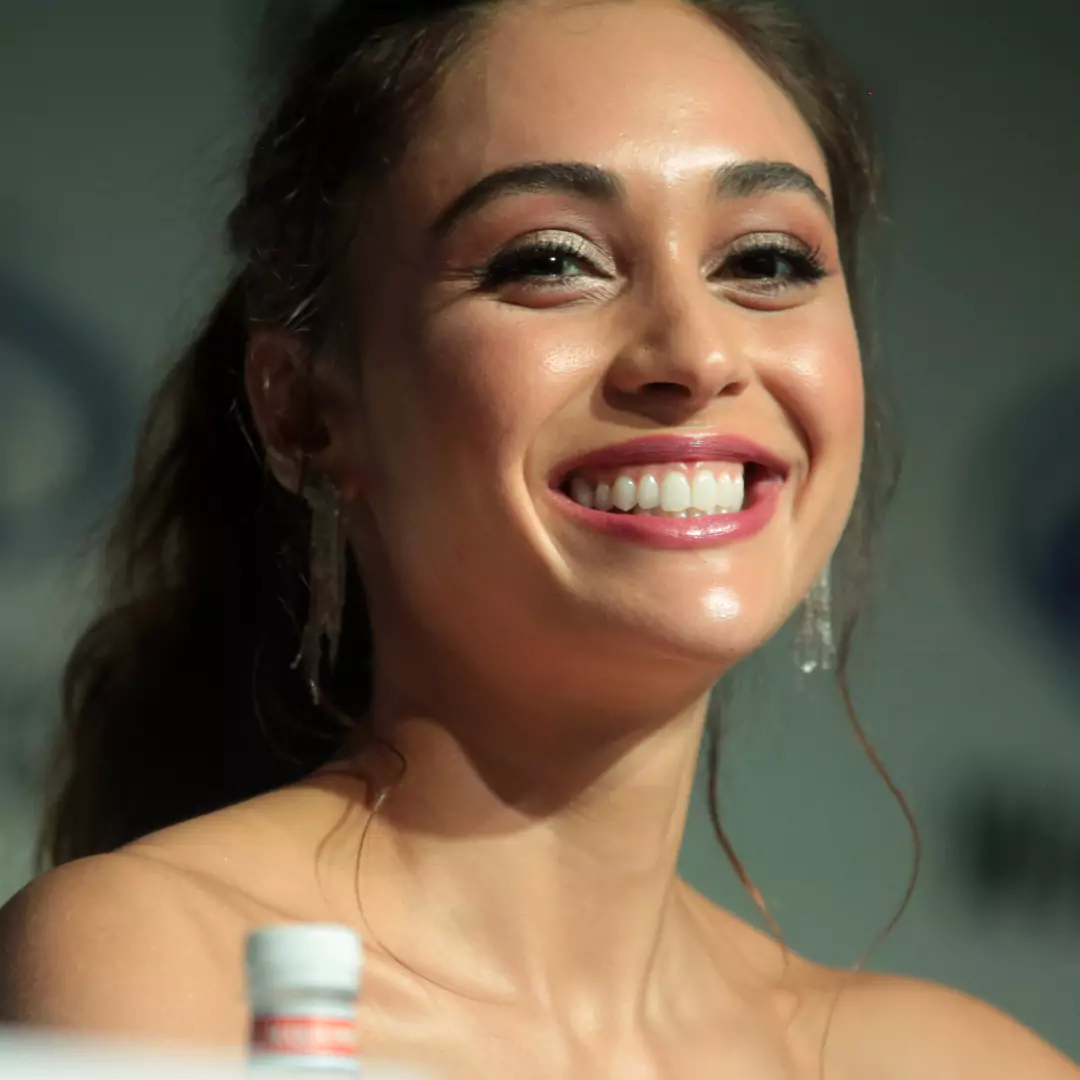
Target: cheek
x=479 y=385
x=844 y=409
x=819 y=381
x=456 y=410
x=816 y=378
x=832 y=382
x=456 y=407
x=509 y=368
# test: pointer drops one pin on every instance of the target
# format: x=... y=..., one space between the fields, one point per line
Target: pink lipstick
x=765 y=474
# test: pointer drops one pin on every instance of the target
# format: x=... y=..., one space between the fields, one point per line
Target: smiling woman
x=537 y=403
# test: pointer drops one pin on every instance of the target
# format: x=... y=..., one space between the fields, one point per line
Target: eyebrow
x=740 y=179
x=734 y=180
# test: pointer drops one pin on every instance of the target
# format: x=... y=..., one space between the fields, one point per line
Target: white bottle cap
x=303 y=956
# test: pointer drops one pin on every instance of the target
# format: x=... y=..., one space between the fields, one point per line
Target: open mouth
x=675 y=489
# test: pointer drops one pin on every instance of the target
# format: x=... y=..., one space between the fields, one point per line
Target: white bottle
x=303 y=983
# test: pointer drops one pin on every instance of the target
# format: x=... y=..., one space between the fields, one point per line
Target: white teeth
x=581 y=492
x=729 y=493
x=648 y=492
x=675 y=493
x=624 y=494
x=671 y=492
x=704 y=491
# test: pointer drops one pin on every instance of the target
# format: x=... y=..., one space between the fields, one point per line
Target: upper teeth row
x=671 y=490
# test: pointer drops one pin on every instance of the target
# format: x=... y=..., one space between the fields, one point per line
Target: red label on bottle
x=304 y=1036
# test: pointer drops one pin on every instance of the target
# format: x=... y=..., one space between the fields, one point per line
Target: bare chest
x=462 y=1040
x=473 y=1041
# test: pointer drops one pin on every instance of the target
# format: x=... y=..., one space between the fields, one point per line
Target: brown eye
x=547 y=259
x=775 y=264
x=550 y=261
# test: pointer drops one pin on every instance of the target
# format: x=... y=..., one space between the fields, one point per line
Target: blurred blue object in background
x=50 y=364
x=1020 y=507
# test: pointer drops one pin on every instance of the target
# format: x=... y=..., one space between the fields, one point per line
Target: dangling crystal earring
x=815 y=649
x=326 y=586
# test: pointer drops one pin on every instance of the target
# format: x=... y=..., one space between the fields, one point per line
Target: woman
x=547 y=307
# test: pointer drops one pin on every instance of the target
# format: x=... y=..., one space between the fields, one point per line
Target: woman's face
x=644 y=276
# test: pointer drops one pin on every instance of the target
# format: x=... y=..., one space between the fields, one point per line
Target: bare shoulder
x=783 y=985
x=119 y=944
x=879 y=1027
x=894 y=1028
x=148 y=941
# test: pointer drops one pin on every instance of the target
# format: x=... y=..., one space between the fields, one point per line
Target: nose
x=677 y=355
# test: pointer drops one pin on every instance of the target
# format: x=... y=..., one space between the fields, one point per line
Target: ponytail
x=180 y=698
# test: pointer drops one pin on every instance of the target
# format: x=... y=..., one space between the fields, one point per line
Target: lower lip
x=680 y=534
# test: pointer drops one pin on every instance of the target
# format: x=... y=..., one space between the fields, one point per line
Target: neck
x=536 y=858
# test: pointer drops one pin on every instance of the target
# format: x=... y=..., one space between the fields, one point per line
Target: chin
x=717 y=627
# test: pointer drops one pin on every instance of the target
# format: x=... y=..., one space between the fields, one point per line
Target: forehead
x=646 y=88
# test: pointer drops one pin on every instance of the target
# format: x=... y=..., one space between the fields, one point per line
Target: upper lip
x=657 y=449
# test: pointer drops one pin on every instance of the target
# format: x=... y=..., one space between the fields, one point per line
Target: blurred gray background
x=122 y=124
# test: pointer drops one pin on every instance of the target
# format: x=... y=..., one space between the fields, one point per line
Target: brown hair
x=181 y=696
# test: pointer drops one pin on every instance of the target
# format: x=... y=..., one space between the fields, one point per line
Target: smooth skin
x=517 y=891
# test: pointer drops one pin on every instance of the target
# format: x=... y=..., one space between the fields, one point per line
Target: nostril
x=668 y=389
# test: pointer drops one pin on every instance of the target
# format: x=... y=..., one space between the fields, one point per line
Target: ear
x=280 y=384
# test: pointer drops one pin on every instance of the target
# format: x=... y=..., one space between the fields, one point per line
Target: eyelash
x=513 y=266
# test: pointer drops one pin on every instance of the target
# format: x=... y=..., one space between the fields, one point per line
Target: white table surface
x=26 y=1056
